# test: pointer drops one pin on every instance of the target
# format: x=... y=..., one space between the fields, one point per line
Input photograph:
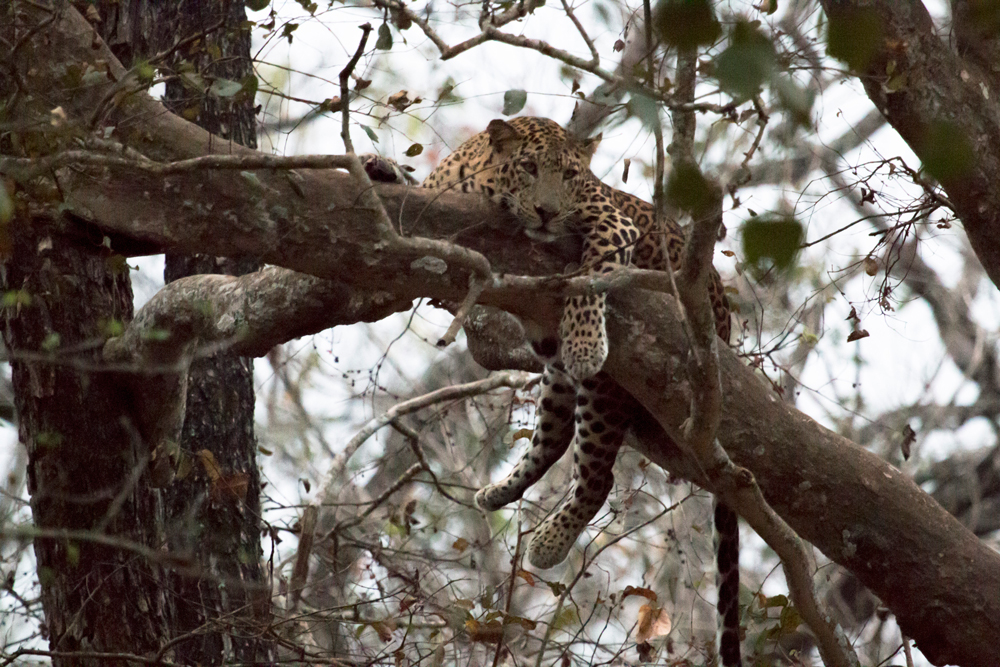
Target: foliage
x=407 y=571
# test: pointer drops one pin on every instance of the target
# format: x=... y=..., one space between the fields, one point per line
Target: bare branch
x=345 y=98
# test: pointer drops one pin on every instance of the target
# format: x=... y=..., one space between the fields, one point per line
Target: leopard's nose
x=546 y=213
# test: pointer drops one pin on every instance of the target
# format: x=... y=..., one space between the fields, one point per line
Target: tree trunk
x=216 y=520
x=87 y=465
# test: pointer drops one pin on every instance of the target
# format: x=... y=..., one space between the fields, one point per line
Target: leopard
x=538 y=171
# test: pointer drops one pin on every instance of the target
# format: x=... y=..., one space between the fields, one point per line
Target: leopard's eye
x=570 y=174
x=529 y=166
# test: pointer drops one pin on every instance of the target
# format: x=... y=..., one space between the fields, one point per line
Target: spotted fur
x=534 y=168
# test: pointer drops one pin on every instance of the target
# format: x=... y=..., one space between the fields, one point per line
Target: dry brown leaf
x=644 y=592
x=232 y=486
x=857 y=335
x=486 y=633
x=384 y=629
x=523 y=433
x=652 y=622
x=527 y=577
x=210 y=465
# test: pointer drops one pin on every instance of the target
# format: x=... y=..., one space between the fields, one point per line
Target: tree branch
x=937 y=578
x=944 y=90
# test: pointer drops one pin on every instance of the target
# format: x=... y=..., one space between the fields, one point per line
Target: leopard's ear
x=587 y=147
x=503 y=135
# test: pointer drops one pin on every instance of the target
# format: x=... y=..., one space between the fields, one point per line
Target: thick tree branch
x=937 y=578
x=943 y=91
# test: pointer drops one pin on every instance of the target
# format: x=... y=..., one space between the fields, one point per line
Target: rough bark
x=935 y=576
x=221 y=529
x=87 y=467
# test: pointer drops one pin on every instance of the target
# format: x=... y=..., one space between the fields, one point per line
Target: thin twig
x=550 y=627
x=345 y=100
x=743 y=174
x=190 y=39
x=87 y=655
x=659 y=201
x=594 y=55
x=413 y=438
x=514 y=568
x=512 y=379
x=476 y=287
x=547 y=49
x=300 y=570
x=907 y=652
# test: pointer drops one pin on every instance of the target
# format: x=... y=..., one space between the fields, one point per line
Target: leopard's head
x=542 y=173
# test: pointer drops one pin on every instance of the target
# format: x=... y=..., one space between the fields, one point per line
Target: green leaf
x=776 y=239
x=854 y=36
x=747 y=63
x=447 y=92
x=49 y=439
x=566 y=618
x=414 y=150
x=112 y=328
x=17 y=297
x=72 y=554
x=384 y=41
x=288 y=29
x=513 y=101
x=51 y=342
x=144 y=72
x=790 y=620
x=686 y=24
x=557 y=587
x=688 y=190
x=371 y=133
x=156 y=334
x=645 y=109
x=250 y=85
x=257 y=5
x=795 y=100
x=945 y=151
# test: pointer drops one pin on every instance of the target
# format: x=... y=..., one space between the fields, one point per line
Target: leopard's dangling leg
x=601 y=421
x=584 y=335
x=727 y=530
x=607 y=246
x=553 y=433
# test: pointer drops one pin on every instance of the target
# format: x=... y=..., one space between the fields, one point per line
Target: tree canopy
x=392 y=561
